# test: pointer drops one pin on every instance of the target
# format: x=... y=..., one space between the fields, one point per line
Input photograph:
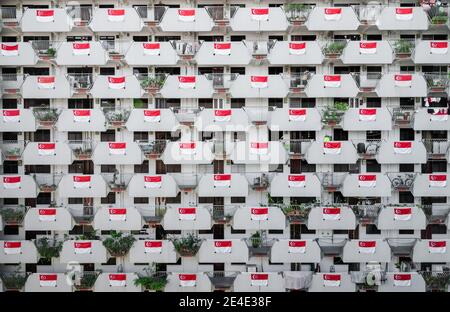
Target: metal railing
x=222 y=279
x=367 y=148
x=79 y=14
x=402 y=116
x=46 y=115
x=12 y=150
x=298 y=80
x=437 y=81
x=438 y=15
x=44 y=47
x=297 y=12
x=224 y=213
x=82 y=149
x=151 y=81
x=436 y=281
x=80 y=81
x=436 y=213
x=116 y=116
x=259 y=246
x=332 y=179
x=401 y=246
x=366 y=213
x=436 y=148
x=152 y=148
x=185 y=48
x=186 y=180
x=403 y=47
x=117 y=182
x=217 y=13
x=186 y=115
x=333 y=48
x=258 y=181
x=85 y=216
x=297 y=147
x=47 y=182
x=13 y=280
x=10 y=77
x=368 y=14
x=259 y=48
x=401 y=180
x=257 y=115
x=221 y=81
x=148 y=13
x=367 y=81
x=8 y=13
x=13 y=214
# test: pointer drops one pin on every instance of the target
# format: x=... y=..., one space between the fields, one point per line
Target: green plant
x=48 y=248
x=12 y=215
x=256 y=239
x=50 y=52
x=296 y=11
x=152 y=280
x=403 y=46
x=139 y=103
x=436 y=281
x=47 y=114
x=92 y=235
x=187 y=245
x=152 y=82
x=119 y=244
x=335 y=112
x=86 y=280
x=14 y=280
x=438 y=20
x=335 y=47
x=13 y=151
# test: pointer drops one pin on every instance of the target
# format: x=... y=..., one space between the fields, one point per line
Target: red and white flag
x=222 y=115
x=46 y=149
x=297 y=246
x=332 y=81
x=437 y=180
x=403 y=81
x=259 y=148
x=152 y=115
x=187 y=214
x=152 y=182
x=402 y=147
x=259 y=279
x=117 y=148
x=186 y=82
x=12 y=248
x=260 y=14
x=297 y=114
x=45 y=16
x=48 y=280
x=331 y=280
x=367 y=247
x=404 y=14
x=11 y=182
x=331 y=213
x=402 y=280
x=222 y=180
x=81 y=115
x=187 y=148
x=47 y=214
x=223 y=246
x=297 y=48
x=437 y=247
x=402 y=214
x=82 y=248
x=81 y=48
x=186 y=15
x=117 y=279
x=117 y=214
x=222 y=48
x=116 y=82
x=81 y=182
x=46 y=82
x=367 y=180
x=259 y=82
x=439 y=114
x=187 y=280
x=10 y=49
x=332 y=14
x=332 y=148
x=259 y=214
x=439 y=47
x=366 y=47
x=295 y=180
x=153 y=247
x=11 y=115
x=116 y=15
x=151 y=48
x=367 y=114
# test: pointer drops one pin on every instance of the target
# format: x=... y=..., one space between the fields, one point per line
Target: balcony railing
x=48 y=182
x=438 y=15
x=332 y=181
x=436 y=213
x=367 y=149
x=116 y=117
x=368 y=14
x=84 y=218
x=367 y=82
x=295 y=213
x=218 y=14
x=185 y=49
x=12 y=150
x=186 y=181
x=366 y=214
x=8 y=13
x=152 y=149
x=186 y=116
x=81 y=16
x=155 y=219
x=298 y=81
x=117 y=182
x=223 y=213
x=331 y=245
x=13 y=281
x=297 y=148
x=437 y=82
x=257 y=115
x=152 y=83
x=151 y=14
x=401 y=246
x=84 y=281
x=221 y=82
x=401 y=181
x=332 y=115
x=403 y=48
x=81 y=82
x=402 y=117
x=82 y=150
x=259 y=246
x=297 y=13
x=13 y=214
x=333 y=49
x=436 y=281
x=258 y=181
x=45 y=116
x=436 y=148
x=44 y=48
x=222 y=280
x=260 y=49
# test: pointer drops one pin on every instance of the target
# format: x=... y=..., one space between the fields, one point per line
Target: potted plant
x=46 y=117
x=13 y=216
x=151 y=280
x=13 y=281
x=256 y=239
x=12 y=153
x=48 y=249
x=297 y=12
x=119 y=244
x=85 y=281
x=403 y=48
x=333 y=114
x=334 y=49
x=187 y=246
x=82 y=153
x=436 y=281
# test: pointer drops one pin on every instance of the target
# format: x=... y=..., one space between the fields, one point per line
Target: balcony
x=11 y=84
x=83 y=251
x=401 y=181
x=18 y=251
x=403 y=117
x=436 y=213
x=12 y=150
x=259 y=218
x=117 y=182
x=222 y=280
x=181 y=87
x=331 y=218
x=331 y=181
x=437 y=149
x=20 y=120
x=48 y=219
x=403 y=282
x=117 y=219
x=292 y=185
x=82 y=150
x=222 y=120
x=332 y=19
x=117 y=87
x=10 y=17
x=47 y=282
x=431 y=251
x=259 y=245
x=367 y=52
x=223 y=53
x=367 y=119
x=294 y=119
x=46 y=117
x=366 y=213
x=403 y=49
x=86 y=120
x=431 y=185
x=402 y=18
x=186 y=20
x=437 y=83
x=152 y=120
x=116 y=282
x=297 y=148
x=17 y=54
x=18 y=186
x=116 y=20
x=357 y=251
x=271 y=86
x=295 y=251
x=297 y=14
x=402 y=152
x=188 y=153
x=56 y=153
x=151 y=54
x=46 y=87
x=332 y=152
x=86 y=53
x=269 y=153
x=188 y=282
x=401 y=85
x=258 y=19
x=401 y=218
x=144 y=185
x=178 y=218
x=158 y=251
x=295 y=53
x=222 y=82
x=431 y=52
x=46 y=21
x=223 y=251
x=151 y=83
x=326 y=86
x=259 y=282
x=119 y=153
x=222 y=185
x=366 y=185
x=401 y=247
x=116 y=118
x=12 y=215
x=47 y=183
x=73 y=185
x=332 y=282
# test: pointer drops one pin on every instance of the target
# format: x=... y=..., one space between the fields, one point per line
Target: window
x=406 y=168
x=406 y=134
x=405 y=198
x=406 y=232
x=372 y=229
x=237 y=103
x=109 y=199
x=233 y=231
x=238 y=200
x=108 y=168
x=140 y=136
x=372 y=166
x=107 y=71
x=142 y=168
x=373 y=102
x=108 y=136
x=75 y=201
x=141 y=200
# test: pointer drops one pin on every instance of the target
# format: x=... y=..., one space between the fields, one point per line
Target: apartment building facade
x=232 y=146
